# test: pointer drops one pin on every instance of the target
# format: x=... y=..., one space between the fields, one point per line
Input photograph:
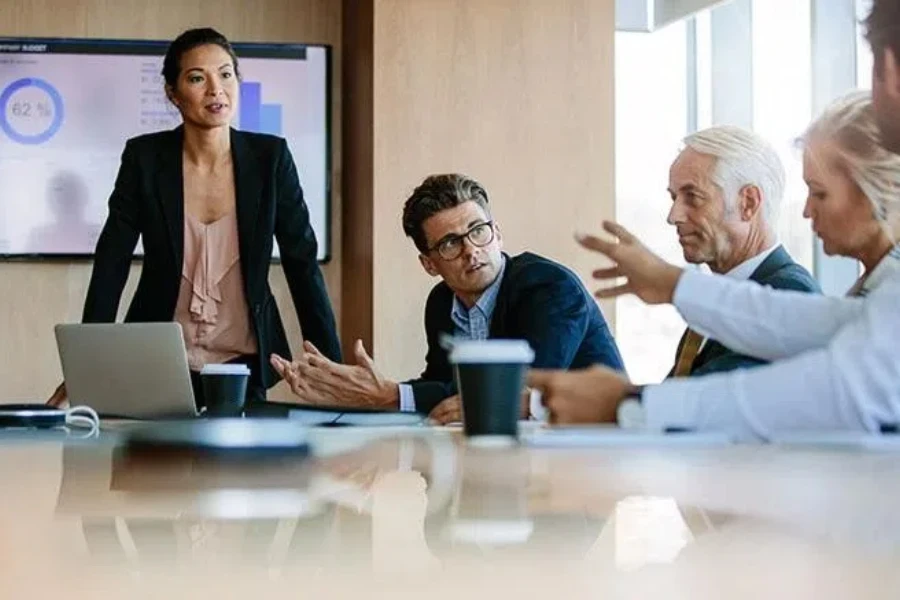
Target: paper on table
x=840 y=440
x=318 y=417
x=612 y=436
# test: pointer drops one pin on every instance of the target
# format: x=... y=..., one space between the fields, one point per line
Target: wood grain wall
x=515 y=93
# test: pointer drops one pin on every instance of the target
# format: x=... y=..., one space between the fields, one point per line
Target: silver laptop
x=130 y=370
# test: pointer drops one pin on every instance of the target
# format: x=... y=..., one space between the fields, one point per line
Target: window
x=864 y=56
x=673 y=80
x=651 y=120
x=782 y=106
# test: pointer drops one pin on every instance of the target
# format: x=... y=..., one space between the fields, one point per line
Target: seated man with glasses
x=484 y=293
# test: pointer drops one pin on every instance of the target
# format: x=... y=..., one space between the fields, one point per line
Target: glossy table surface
x=418 y=512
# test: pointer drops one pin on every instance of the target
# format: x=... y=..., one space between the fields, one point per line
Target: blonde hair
x=850 y=124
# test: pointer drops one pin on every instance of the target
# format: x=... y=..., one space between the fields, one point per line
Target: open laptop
x=127 y=370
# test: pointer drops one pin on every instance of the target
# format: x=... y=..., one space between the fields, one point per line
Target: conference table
x=419 y=512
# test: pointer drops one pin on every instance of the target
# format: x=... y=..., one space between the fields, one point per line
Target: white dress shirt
x=838 y=361
x=884 y=270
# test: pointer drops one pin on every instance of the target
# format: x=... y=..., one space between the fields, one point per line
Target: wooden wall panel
x=358 y=131
x=515 y=93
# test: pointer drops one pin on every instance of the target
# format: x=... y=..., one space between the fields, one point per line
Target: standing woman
x=208 y=201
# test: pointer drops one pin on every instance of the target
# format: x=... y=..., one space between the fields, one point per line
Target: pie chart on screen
x=68 y=107
x=31 y=111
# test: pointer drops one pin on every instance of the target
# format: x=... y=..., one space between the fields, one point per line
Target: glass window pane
x=704 y=69
x=863 y=51
x=782 y=105
x=651 y=120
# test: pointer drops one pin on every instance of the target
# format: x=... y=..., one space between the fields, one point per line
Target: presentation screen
x=68 y=106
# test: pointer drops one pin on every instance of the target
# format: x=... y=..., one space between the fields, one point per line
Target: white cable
x=84 y=417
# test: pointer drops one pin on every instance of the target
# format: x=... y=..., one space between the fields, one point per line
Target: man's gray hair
x=742 y=158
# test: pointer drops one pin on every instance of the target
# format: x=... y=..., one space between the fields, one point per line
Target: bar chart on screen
x=61 y=141
x=254 y=114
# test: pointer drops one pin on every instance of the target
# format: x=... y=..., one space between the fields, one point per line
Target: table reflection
x=394 y=505
x=406 y=512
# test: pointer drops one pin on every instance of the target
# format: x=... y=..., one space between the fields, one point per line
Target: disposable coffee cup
x=490 y=376
x=225 y=389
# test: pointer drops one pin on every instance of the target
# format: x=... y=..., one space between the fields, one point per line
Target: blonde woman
x=854 y=184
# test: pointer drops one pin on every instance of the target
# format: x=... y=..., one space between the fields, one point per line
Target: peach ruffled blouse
x=212 y=308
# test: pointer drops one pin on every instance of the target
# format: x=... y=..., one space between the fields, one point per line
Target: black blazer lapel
x=444 y=315
x=499 y=325
x=248 y=191
x=438 y=321
x=775 y=261
x=170 y=191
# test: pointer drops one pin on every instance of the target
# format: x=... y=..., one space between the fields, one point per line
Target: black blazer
x=148 y=202
x=539 y=301
x=778 y=271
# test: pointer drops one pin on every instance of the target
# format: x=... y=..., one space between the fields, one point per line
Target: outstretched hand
x=647 y=276
x=316 y=379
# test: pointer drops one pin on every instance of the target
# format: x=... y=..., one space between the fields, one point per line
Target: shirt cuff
x=631 y=415
x=673 y=405
x=407 y=398
x=536 y=408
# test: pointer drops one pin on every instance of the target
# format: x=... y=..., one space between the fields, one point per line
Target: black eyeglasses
x=451 y=246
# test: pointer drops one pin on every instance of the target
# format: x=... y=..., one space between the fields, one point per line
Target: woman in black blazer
x=172 y=184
